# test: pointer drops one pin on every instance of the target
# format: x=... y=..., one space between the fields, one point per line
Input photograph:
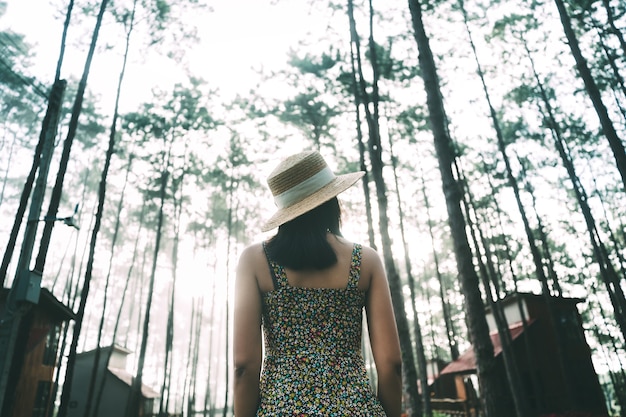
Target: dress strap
x=355 y=267
x=279 y=278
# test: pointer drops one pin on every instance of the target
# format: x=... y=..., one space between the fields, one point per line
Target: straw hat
x=302 y=182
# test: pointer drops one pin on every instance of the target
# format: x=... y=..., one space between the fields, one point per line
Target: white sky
x=237 y=37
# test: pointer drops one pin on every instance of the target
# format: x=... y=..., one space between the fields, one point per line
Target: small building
x=113 y=378
x=35 y=357
x=550 y=385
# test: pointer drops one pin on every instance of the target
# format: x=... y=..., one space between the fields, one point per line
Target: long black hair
x=301 y=243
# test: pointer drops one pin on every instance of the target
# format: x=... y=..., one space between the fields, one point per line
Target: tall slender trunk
x=138 y=289
x=395 y=283
x=543 y=237
x=8 y=168
x=615 y=142
x=46 y=139
x=417 y=330
x=361 y=146
x=168 y=367
x=112 y=138
x=57 y=190
x=169 y=339
x=129 y=276
x=491 y=278
x=612 y=62
x=231 y=210
x=488 y=377
x=445 y=308
x=529 y=349
x=192 y=367
x=134 y=405
x=67 y=387
x=208 y=400
x=66 y=25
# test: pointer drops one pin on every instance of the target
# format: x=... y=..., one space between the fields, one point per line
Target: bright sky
x=237 y=37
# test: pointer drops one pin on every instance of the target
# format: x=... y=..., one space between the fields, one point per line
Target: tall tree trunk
x=488 y=377
x=490 y=278
x=169 y=340
x=66 y=25
x=209 y=399
x=612 y=62
x=530 y=350
x=5 y=177
x=361 y=146
x=167 y=370
x=112 y=136
x=134 y=405
x=615 y=142
x=231 y=210
x=194 y=358
x=129 y=276
x=445 y=308
x=67 y=386
x=374 y=146
x=46 y=140
x=543 y=237
x=57 y=190
x=417 y=330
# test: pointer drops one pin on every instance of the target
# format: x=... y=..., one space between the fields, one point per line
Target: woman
x=306 y=289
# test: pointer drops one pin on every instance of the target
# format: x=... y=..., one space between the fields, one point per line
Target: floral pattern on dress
x=313 y=364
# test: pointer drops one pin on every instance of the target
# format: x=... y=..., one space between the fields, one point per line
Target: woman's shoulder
x=371 y=262
x=370 y=259
x=368 y=254
x=252 y=254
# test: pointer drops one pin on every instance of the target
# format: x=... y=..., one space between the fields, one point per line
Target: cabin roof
x=114 y=347
x=466 y=363
x=510 y=298
x=54 y=308
x=127 y=378
x=49 y=302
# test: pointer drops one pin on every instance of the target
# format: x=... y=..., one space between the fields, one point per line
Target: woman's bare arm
x=247 y=339
x=383 y=334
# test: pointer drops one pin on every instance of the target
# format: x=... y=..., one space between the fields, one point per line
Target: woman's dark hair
x=302 y=244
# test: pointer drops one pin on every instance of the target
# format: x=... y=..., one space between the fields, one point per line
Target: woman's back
x=312 y=325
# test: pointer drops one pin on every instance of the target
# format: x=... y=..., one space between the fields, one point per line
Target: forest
x=136 y=137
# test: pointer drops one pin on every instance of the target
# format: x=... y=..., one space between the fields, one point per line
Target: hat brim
x=330 y=190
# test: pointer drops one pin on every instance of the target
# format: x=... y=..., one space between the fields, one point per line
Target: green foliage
x=309 y=112
x=314 y=65
x=20 y=93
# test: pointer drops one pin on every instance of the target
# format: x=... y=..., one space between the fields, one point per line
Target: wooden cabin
x=112 y=372
x=550 y=385
x=36 y=356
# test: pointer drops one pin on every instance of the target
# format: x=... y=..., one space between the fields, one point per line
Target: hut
x=112 y=378
x=551 y=353
x=36 y=357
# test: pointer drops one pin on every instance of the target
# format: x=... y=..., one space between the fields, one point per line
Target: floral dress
x=313 y=364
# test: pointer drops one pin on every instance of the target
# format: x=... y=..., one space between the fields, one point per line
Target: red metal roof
x=466 y=363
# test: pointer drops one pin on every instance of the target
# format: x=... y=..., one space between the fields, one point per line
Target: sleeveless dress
x=313 y=364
